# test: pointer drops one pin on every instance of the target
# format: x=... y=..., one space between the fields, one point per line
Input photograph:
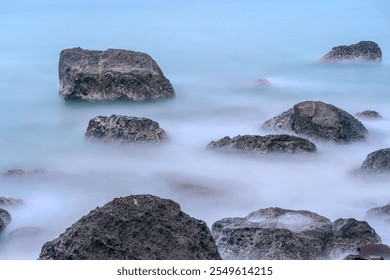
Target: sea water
x=212 y=52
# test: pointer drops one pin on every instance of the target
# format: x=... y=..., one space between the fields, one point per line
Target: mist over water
x=212 y=53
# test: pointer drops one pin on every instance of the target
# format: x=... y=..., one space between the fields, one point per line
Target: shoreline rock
x=5 y=219
x=114 y=74
x=124 y=129
x=368 y=114
x=363 y=51
x=377 y=162
x=138 y=227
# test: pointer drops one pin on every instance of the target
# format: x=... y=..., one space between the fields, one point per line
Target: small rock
x=261 y=83
x=23 y=233
x=21 y=172
x=4 y=201
x=381 y=214
x=282 y=143
x=124 y=129
x=5 y=219
x=362 y=51
x=377 y=162
x=368 y=114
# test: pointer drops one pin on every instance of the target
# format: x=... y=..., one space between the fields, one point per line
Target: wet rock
x=362 y=51
x=5 y=219
x=276 y=234
x=256 y=144
x=134 y=227
x=377 y=162
x=359 y=257
x=124 y=129
x=379 y=214
x=111 y=75
x=368 y=114
x=5 y=201
x=320 y=121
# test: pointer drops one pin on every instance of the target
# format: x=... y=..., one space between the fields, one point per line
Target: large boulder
x=282 y=143
x=134 y=227
x=276 y=233
x=362 y=51
x=5 y=219
x=124 y=129
x=377 y=162
x=319 y=120
x=111 y=75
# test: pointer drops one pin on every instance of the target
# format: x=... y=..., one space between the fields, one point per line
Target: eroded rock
x=362 y=51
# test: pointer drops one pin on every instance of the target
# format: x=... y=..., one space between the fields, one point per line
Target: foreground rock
x=377 y=162
x=362 y=51
x=278 y=234
x=379 y=214
x=368 y=114
x=5 y=219
x=111 y=75
x=264 y=144
x=134 y=227
x=371 y=252
x=318 y=120
x=124 y=129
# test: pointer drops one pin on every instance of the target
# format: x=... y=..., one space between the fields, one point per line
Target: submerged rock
x=21 y=172
x=377 y=162
x=262 y=83
x=124 y=129
x=368 y=114
x=134 y=227
x=5 y=201
x=282 y=143
x=24 y=233
x=362 y=51
x=318 y=120
x=111 y=75
x=5 y=219
x=379 y=214
x=276 y=234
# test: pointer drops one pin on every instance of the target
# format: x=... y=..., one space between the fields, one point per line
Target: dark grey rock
x=124 y=129
x=111 y=75
x=379 y=214
x=362 y=51
x=368 y=114
x=365 y=258
x=281 y=143
x=276 y=234
x=5 y=219
x=134 y=227
x=377 y=162
x=320 y=121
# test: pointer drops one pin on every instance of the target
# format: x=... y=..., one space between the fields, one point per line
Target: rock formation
x=362 y=51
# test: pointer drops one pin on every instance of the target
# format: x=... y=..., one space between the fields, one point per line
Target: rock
x=368 y=114
x=261 y=83
x=377 y=162
x=111 y=75
x=21 y=172
x=24 y=233
x=381 y=214
x=5 y=219
x=349 y=234
x=256 y=144
x=362 y=51
x=276 y=234
x=124 y=129
x=359 y=257
x=375 y=251
x=134 y=227
x=320 y=121
x=4 y=201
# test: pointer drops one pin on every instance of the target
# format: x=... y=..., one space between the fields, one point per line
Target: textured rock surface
x=275 y=233
x=362 y=51
x=368 y=114
x=5 y=219
x=124 y=129
x=134 y=227
x=111 y=75
x=318 y=120
x=377 y=162
x=281 y=143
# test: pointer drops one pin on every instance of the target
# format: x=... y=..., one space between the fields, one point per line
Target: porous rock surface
x=134 y=227
x=278 y=234
x=377 y=162
x=257 y=144
x=361 y=51
x=319 y=120
x=124 y=129
x=114 y=74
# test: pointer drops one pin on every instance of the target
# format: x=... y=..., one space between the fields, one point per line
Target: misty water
x=212 y=52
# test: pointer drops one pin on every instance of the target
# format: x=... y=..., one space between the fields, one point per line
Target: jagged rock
x=368 y=114
x=362 y=51
x=320 y=121
x=111 y=75
x=281 y=143
x=377 y=162
x=5 y=219
x=379 y=214
x=124 y=129
x=275 y=234
x=5 y=201
x=134 y=227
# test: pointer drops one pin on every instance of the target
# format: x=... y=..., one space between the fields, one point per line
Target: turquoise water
x=212 y=53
